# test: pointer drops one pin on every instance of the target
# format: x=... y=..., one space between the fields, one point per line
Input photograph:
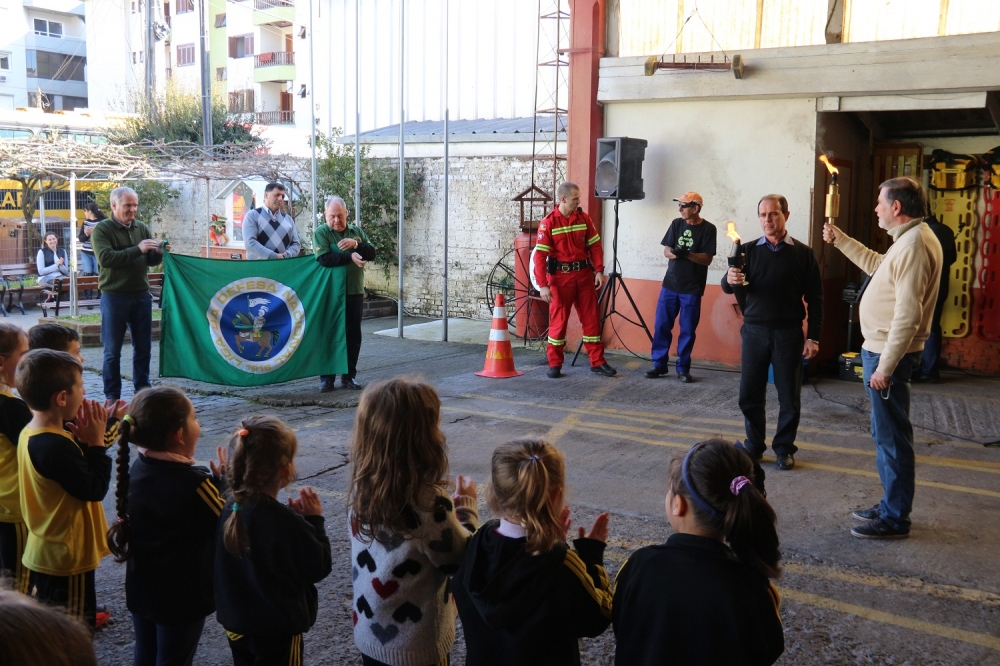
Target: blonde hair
x=398 y=454
x=525 y=474
x=255 y=460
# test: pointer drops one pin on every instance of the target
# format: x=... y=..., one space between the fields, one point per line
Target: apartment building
x=43 y=54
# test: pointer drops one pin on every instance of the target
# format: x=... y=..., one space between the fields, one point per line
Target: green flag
x=249 y=323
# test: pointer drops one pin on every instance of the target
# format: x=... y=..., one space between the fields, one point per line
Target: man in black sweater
x=778 y=274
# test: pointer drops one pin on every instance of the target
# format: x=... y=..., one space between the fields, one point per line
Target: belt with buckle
x=572 y=266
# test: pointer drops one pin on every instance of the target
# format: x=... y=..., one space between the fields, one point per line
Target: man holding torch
x=897 y=306
x=778 y=274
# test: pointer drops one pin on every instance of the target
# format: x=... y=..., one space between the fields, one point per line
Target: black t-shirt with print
x=683 y=275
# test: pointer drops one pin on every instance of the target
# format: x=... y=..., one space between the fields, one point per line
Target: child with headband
x=408 y=534
x=268 y=556
x=523 y=595
x=704 y=596
x=167 y=513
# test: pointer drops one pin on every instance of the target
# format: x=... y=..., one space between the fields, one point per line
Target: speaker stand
x=609 y=294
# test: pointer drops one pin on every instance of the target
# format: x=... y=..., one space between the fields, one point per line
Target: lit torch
x=737 y=258
x=833 y=193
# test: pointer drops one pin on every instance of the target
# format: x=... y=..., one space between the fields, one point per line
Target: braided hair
x=259 y=449
x=153 y=418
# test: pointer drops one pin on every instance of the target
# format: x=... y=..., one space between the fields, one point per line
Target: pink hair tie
x=243 y=432
x=737 y=484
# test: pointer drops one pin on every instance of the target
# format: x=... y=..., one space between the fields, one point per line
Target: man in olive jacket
x=125 y=250
x=339 y=244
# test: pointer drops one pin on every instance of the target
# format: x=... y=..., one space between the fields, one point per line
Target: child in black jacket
x=696 y=600
x=523 y=595
x=268 y=556
x=167 y=512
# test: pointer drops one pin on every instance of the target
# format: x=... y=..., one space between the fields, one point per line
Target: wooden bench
x=58 y=295
x=16 y=272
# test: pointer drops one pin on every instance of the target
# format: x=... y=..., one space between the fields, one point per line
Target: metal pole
x=444 y=281
x=357 y=112
x=41 y=215
x=206 y=80
x=72 y=244
x=312 y=106
x=150 y=44
x=402 y=170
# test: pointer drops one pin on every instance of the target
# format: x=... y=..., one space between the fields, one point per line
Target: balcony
x=274 y=118
x=280 y=13
x=276 y=66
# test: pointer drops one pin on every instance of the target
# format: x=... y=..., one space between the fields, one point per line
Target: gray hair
x=334 y=198
x=565 y=190
x=119 y=192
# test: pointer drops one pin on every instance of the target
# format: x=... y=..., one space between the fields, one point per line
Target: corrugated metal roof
x=500 y=126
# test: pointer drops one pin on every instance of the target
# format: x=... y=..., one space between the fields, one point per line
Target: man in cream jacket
x=897 y=305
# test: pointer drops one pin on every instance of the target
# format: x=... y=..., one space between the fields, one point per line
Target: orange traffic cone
x=499 y=355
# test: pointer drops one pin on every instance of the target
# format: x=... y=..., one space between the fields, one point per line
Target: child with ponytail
x=14 y=415
x=167 y=512
x=407 y=534
x=695 y=599
x=269 y=556
x=524 y=596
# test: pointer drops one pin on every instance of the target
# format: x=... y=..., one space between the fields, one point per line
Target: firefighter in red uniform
x=569 y=269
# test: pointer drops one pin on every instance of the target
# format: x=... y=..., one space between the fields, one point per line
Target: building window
x=48 y=28
x=220 y=20
x=70 y=103
x=138 y=7
x=56 y=66
x=185 y=55
x=241 y=46
x=241 y=101
x=5 y=62
x=220 y=73
x=138 y=57
x=184 y=6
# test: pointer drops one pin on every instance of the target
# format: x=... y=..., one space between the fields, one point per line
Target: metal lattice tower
x=548 y=167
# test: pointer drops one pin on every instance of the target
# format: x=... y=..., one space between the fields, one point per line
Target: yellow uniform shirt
x=14 y=415
x=62 y=486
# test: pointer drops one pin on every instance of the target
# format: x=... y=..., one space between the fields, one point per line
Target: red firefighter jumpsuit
x=571 y=240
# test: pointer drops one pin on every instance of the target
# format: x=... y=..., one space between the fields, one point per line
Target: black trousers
x=12 y=539
x=77 y=594
x=781 y=349
x=277 y=650
x=353 y=311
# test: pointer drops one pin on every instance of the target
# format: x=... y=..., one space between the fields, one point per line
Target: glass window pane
x=55 y=29
x=41 y=26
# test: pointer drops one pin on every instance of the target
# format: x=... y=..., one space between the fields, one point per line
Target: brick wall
x=971 y=353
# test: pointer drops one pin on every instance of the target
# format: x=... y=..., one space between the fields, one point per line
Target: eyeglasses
x=687 y=205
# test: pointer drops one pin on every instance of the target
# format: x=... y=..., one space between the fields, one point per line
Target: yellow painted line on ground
x=988 y=467
x=901 y=584
x=616 y=430
x=984 y=640
x=570 y=421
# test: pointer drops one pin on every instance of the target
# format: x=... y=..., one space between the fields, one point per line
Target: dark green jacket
x=123 y=266
x=325 y=242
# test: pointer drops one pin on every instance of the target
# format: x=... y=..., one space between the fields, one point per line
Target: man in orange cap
x=689 y=244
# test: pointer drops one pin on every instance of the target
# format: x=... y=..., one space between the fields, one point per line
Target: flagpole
x=312 y=107
x=444 y=283
x=357 y=112
x=402 y=170
x=72 y=245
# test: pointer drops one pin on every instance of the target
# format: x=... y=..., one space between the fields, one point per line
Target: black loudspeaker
x=619 y=168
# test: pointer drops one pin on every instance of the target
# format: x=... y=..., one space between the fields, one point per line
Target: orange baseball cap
x=691 y=197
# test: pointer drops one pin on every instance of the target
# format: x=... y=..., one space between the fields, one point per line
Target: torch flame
x=832 y=169
x=731 y=232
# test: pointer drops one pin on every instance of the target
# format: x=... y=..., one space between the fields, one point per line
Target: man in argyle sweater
x=269 y=232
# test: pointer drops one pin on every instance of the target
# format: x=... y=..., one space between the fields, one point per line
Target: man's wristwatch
x=815 y=342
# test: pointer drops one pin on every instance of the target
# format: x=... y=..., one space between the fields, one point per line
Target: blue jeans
x=88 y=263
x=118 y=312
x=893 y=435
x=781 y=349
x=689 y=307
x=163 y=645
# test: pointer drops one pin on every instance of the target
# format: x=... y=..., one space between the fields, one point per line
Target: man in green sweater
x=897 y=306
x=125 y=250
x=338 y=244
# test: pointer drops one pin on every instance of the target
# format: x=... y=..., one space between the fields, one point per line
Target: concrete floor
x=931 y=599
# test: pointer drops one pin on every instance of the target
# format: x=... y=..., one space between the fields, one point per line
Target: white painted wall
x=731 y=152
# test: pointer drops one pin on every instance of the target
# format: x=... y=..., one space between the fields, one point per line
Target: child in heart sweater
x=407 y=534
